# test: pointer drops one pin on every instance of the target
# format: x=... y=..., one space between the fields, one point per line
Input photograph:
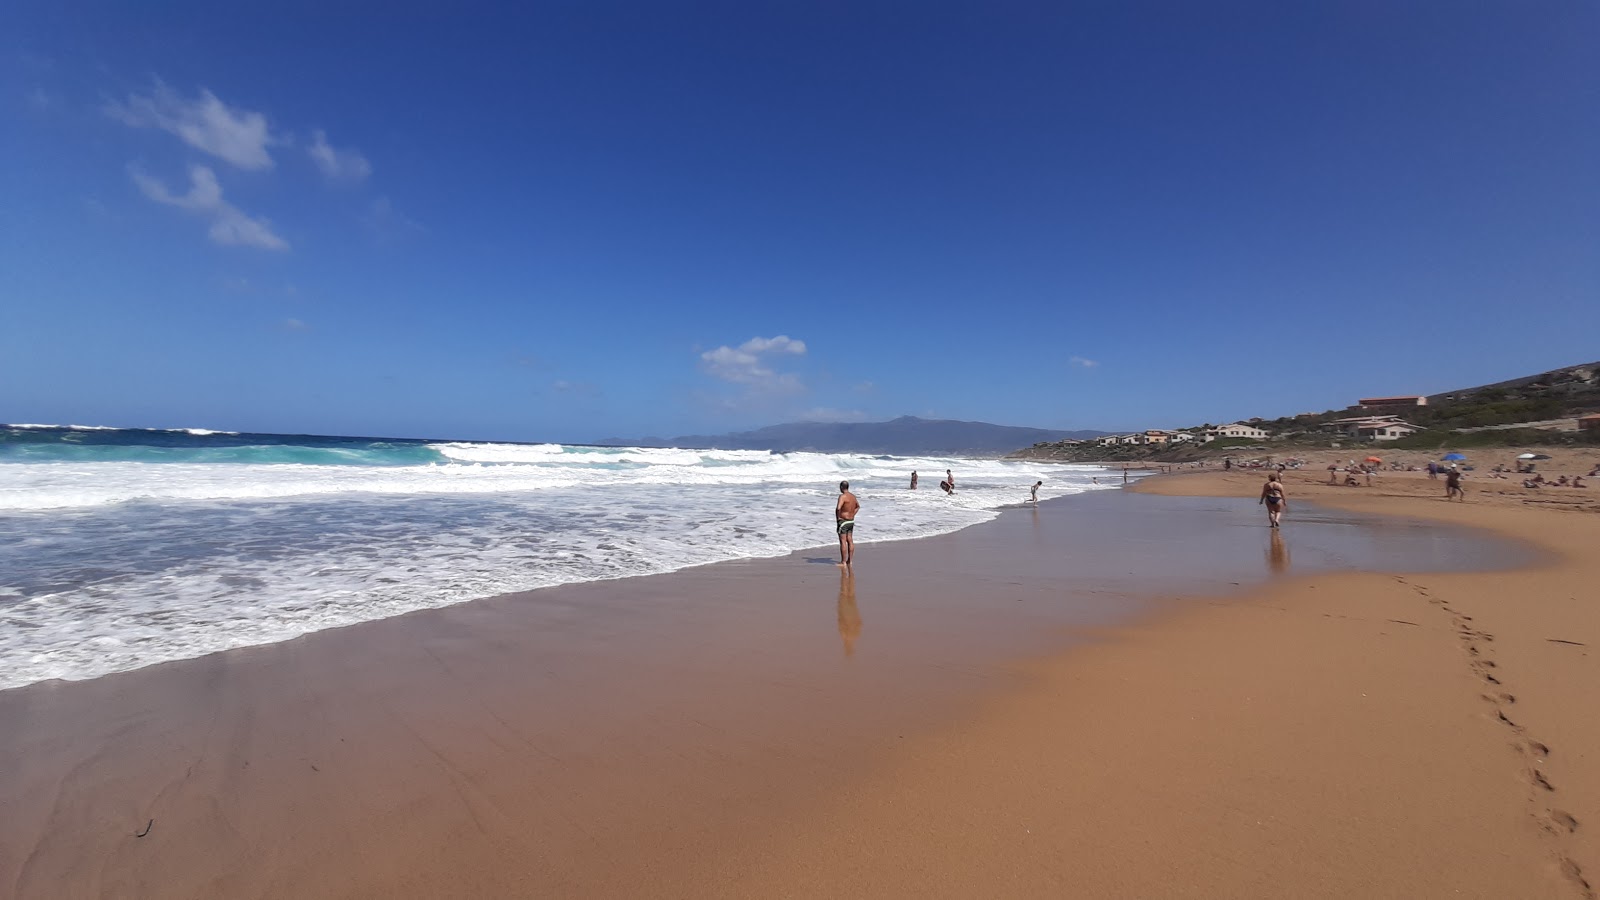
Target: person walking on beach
x=1452 y=485
x=844 y=522
x=913 y=479
x=1033 y=493
x=1275 y=499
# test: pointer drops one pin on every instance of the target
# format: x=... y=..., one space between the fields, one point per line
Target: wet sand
x=773 y=727
x=1327 y=735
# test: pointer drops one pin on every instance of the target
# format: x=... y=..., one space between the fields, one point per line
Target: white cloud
x=295 y=325
x=205 y=123
x=746 y=365
x=337 y=165
x=1080 y=361
x=780 y=344
x=229 y=224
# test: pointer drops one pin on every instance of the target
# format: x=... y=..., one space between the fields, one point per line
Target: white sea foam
x=116 y=565
x=70 y=427
x=195 y=431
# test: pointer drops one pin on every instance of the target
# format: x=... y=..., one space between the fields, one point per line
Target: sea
x=120 y=548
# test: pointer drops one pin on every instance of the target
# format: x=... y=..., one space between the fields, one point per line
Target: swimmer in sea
x=844 y=520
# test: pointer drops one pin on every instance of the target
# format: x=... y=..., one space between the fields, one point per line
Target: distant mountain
x=905 y=436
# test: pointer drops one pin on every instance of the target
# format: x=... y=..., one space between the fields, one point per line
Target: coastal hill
x=1535 y=410
x=905 y=436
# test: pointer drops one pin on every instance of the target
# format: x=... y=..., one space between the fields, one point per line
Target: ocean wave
x=248 y=454
x=157 y=562
x=199 y=432
x=279 y=473
x=26 y=427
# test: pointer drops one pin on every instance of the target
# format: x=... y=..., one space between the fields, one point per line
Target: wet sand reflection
x=1277 y=553
x=849 y=616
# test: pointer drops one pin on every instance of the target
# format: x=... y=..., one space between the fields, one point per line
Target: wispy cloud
x=826 y=414
x=1080 y=361
x=295 y=325
x=747 y=364
x=229 y=224
x=346 y=165
x=239 y=136
x=387 y=224
x=575 y=388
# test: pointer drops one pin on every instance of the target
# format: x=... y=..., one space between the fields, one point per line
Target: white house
x=1236 y=430
x=1386 y=431
x=1372 y=428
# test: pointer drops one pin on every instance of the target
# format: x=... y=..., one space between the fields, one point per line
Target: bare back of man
x=844 y=518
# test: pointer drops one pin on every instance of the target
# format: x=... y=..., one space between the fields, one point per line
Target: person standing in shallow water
x=844 y=520
x=913 y=479
x=1275 y=499
x=1033 y=492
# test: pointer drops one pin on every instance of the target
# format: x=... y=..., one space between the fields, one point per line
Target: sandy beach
x=1194 y=709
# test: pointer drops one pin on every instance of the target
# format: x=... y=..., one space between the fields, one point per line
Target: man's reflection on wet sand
x=1277 y=553
x=849 y=616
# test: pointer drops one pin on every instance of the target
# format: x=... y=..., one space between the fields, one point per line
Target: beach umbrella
x=1531 y=456
x=1452 y=457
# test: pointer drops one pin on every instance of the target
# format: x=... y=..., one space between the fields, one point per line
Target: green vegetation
x=1444 y=439
x=1476 y=413
x=1232 y=443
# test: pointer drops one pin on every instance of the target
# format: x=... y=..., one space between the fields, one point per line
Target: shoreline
x=747 y=773
x=1354 y=734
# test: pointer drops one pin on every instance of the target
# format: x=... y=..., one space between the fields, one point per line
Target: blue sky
x=569 y=221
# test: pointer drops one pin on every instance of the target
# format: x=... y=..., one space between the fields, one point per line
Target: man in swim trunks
x=1276 y=500
x=844 y=521
x=950 y=480
x=1033 y=493
x=1452 y=485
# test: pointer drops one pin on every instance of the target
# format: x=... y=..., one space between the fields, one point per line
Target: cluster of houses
x=1381 y=421
x=1378 y=425
x=1202 y=435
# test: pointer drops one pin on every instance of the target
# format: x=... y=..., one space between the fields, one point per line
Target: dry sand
x=1323 y=735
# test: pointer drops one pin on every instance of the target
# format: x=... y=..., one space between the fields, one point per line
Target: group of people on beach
x=948 y=485
x=846 y=507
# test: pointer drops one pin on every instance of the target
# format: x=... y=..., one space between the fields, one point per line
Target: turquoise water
x=124 y=547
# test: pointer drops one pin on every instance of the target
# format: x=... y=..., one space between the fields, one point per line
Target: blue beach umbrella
x=1452 y=457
